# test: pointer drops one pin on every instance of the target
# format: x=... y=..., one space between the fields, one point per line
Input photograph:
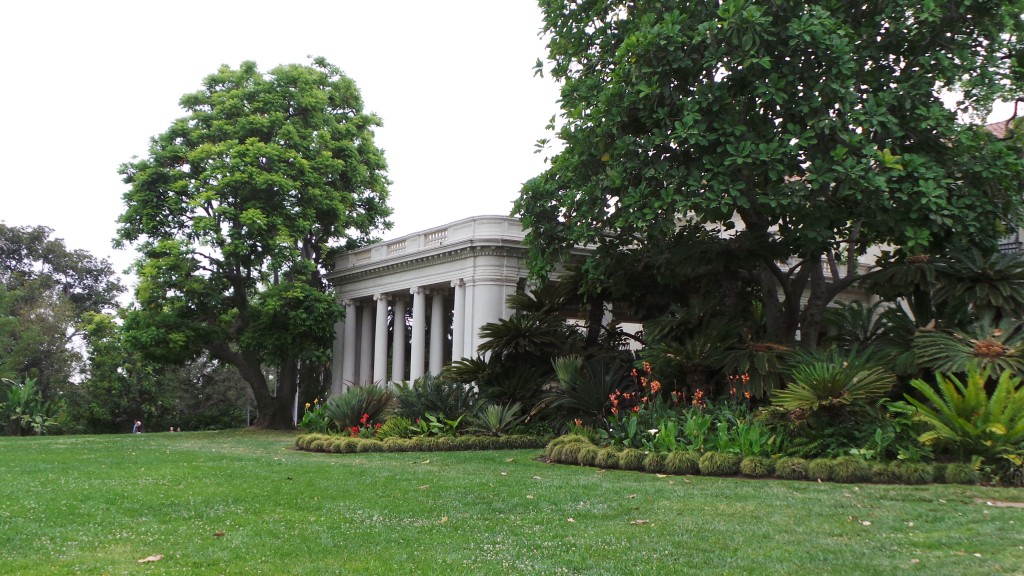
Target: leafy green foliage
x=831 y=380
x=720 y=464
x=434 y=395
x=360 y=405
x=966 y=421
x=492 y=419
x=999 y=348
x=706 y=112
x=24 y=412
x=236 y=211
x=585 y=386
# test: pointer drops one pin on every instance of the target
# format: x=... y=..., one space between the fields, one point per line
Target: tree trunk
x=273 y=412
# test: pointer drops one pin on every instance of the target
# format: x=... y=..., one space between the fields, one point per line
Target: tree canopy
x=46 y=292
x=818 y=129
x=236 y=212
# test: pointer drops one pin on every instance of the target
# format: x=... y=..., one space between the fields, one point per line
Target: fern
x=964 y=419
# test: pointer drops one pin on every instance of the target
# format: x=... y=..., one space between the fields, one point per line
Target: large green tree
x=46 y=292
x=817 y=127
x=236 y=210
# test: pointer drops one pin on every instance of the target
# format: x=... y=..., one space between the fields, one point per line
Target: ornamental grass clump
x=682 y=462
x=884 y=473
x=655 y=462
x=757 y=467
x=850 y=469
x=791 y=468
x=569 y=453
x=632 y=459
x=369 y=445
x=607 y=458
x=819 y=469
x=566 y=439
x=719 y=464
x=395 y=444
x=588 y=455
x=961 y=473
x=914 y=472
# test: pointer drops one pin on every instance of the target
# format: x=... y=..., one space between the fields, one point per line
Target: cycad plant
x=964 y=419
x=360 y=405
x=584 y=386
x=1000 y=348
x=832 y=379
x=434 y=395
x=492 y=419
x=987 y=284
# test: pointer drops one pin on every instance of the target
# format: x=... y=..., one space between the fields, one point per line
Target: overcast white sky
x=86 y=84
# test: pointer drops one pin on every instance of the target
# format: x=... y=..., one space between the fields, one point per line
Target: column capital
x=349 y=302
x=460 y=283
x=419 y=290
x=384 y=297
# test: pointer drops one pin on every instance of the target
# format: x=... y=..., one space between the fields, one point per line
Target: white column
x=398 y=345
x=380 y=341
x=365 y=345
x=459 y=320
x=438 y=332
x=419 y=332
x=469 y=326
x=489 y=295
x=337 y=357
x=349 y=371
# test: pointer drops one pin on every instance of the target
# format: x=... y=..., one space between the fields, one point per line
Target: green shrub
x=884 y=473
x=567 y=439
x=832 y=379
x=395 y=444
x=359 y=406
x=820 y=469
x=757 y=467
x=607 y=458
x=519 y=441
x=960 y=473
x=850 y=469
x=495 y=419
x=791 y=468
x=434 y=395
x=682 y=462
x=655 y=462
x=914 y=472
x=588 y=455
x=719 y=464
x=631 y=459
x=368 y=445
x=965 y=420
x=395 y=427
x=348 y=445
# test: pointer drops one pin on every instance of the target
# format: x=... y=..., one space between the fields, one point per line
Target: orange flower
x=655 y=386
x=732 y=391
x=578 y=422
x=747 y=394
x=647 y=367
x=615 y=410
x=636 y=408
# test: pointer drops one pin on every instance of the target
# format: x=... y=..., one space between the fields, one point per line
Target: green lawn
x=98 y=504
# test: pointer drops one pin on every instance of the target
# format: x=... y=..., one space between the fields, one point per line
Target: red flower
x=636 y=408
x=355 y=431
x=364 y=419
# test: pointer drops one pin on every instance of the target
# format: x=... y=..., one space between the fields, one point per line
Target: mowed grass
x=98 y=504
